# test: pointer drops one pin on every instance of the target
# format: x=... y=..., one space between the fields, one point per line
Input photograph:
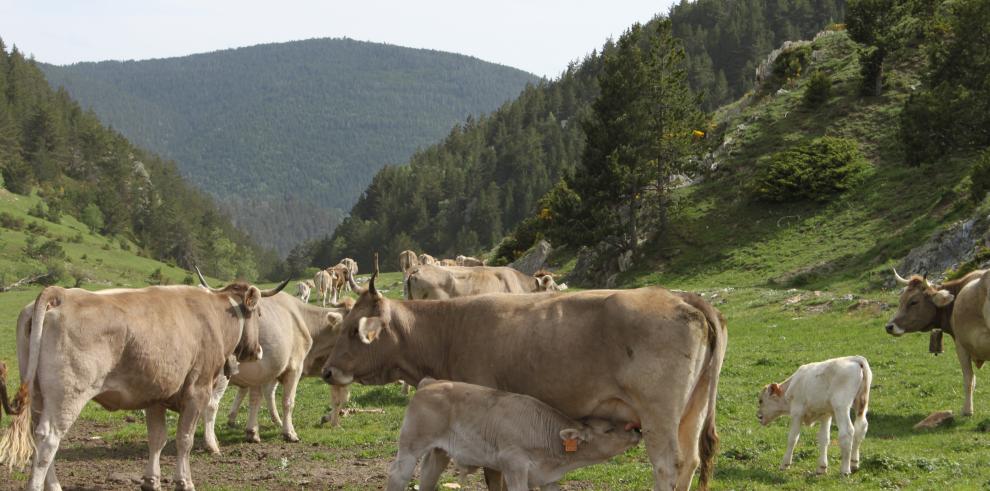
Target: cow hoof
x=232 y=424
x=214 y=451
x=784 y=467
x=854 y=466
x=325 y=419
x=821 y=470
x=150 y=484
x=251 y=436
x=290 y=437
x=184 y=485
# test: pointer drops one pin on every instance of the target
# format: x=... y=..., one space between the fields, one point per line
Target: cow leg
x=57 y=415
x=517 y=480
x=846 y=434
x=403 y=467
x=859 y=434
x=270 y=402
x=289 y=385
x=493 y=480
x=969 y=379
x=792 y=440
x=339 y=395
x=184 y=440
x=661 y=436
x=235 y=407
x=824 y=435
x=157 y=436
x=210 y=415
x=432 y=468
x=404 y=387
x=51 y=481
x=254 y=405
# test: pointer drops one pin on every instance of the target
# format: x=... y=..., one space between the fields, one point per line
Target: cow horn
x=273 y=291
x=374 y=274
x=898 y=277
x=202 y=281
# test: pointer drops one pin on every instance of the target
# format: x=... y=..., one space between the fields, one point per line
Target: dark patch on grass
x=380 y=397
x=884 y=425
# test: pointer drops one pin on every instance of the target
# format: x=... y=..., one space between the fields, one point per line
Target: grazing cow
x=296 y=340
x=468 y=261
x=341 y=278
x=302 y=291
x=648 y=355
x=324 y=280
x=818 y=392
x=959 y=308
x=447 y=262
x=154 y=348
x=425 y=258
x=352 y=269
x=407 y=260
x=531 y=443
x=436 y=282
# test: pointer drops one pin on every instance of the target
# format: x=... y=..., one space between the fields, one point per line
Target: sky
x=539 y=36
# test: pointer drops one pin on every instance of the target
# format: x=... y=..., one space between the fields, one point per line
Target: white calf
x=302 y=291
x=817 y=392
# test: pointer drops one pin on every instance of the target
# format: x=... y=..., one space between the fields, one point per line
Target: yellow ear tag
x=570 y=445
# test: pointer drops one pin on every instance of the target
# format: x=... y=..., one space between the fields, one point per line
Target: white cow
x=324 y=280
x=302 y=291
x=818 y=392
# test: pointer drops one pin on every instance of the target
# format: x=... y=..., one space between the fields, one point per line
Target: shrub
x=157 y=278
x=92 y=217
x=815 y=171
x=10 y=221
x=37 y=228
x=980 y=177
x=819 y=89
x=37 y=211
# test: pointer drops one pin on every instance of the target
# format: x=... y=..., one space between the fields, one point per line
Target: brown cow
x=407 y=261
x=955 y=307
x=647 y=355
x=341 y=278
x=447 y=262
x=153 y=348
x=436 y=282
x=469 y=261
x=425 y=258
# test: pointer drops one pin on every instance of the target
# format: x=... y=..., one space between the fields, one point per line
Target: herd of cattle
x=513 y=376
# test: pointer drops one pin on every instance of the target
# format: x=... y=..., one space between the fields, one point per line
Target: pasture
x=771 y=332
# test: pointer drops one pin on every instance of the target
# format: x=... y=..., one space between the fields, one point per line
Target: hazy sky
x=539 y=36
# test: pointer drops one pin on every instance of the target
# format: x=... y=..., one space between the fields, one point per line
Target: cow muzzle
x=894 y=330
x=334 y=376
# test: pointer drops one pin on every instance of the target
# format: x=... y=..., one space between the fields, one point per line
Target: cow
x=531 y=443
x=649 y=356
x=425 y=258
x=956 y=307
x=154 y=348
x=468 y=261
x=447 y=262
x=352 y=269
x=407 y=260
x=436 y=282
x=324 y=280
x=341 y=279
x=819 y=392
x=296 y=340
x=302 y=291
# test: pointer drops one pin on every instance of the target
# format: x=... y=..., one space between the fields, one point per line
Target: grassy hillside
x=288 y=135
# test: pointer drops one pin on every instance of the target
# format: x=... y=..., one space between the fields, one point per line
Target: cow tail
x=862 y=402
x=406 y=286
x=708 y=439
x=16 y=443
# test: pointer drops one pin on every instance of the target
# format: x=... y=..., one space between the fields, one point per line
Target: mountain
x=51 y=148
x=465 y=193
x=286 y=136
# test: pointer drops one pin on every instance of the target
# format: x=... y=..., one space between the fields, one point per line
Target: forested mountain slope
x=288 y=135
x=126 y=196
x=463 y=194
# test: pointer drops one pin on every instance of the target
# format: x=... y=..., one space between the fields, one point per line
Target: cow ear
x=776 y=390
x=252 y=297
x=572 y=434
x=369 y=328
x=334 y=318
x=942 y=298
x=546 y=281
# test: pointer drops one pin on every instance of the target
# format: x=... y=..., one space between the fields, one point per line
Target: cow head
x=918 y=306
x=545 y=282
x=598 y=439
x=367 y=341
x=245 y=302
x=772 y=404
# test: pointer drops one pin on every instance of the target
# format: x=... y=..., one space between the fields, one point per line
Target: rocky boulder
x=534 y=259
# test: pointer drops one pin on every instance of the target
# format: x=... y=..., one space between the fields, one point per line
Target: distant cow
x=296 y=340
x=447 y=262
x=469 y=261
x=341 y=278
x=818 y=392
x=407 y=261
x=956 y=307
x=352 y=269
x=532 y=443
x=324 y=280
x=435 y=282
x=302 y=291
x=425 y=258
x=154 y=348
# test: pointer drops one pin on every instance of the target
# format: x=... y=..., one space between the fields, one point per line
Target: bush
x=37 y=211
x=980 y=177
x=37 y=228
x=819 y=89
x=815 y=171
x=10 y=221
x=92 y=217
